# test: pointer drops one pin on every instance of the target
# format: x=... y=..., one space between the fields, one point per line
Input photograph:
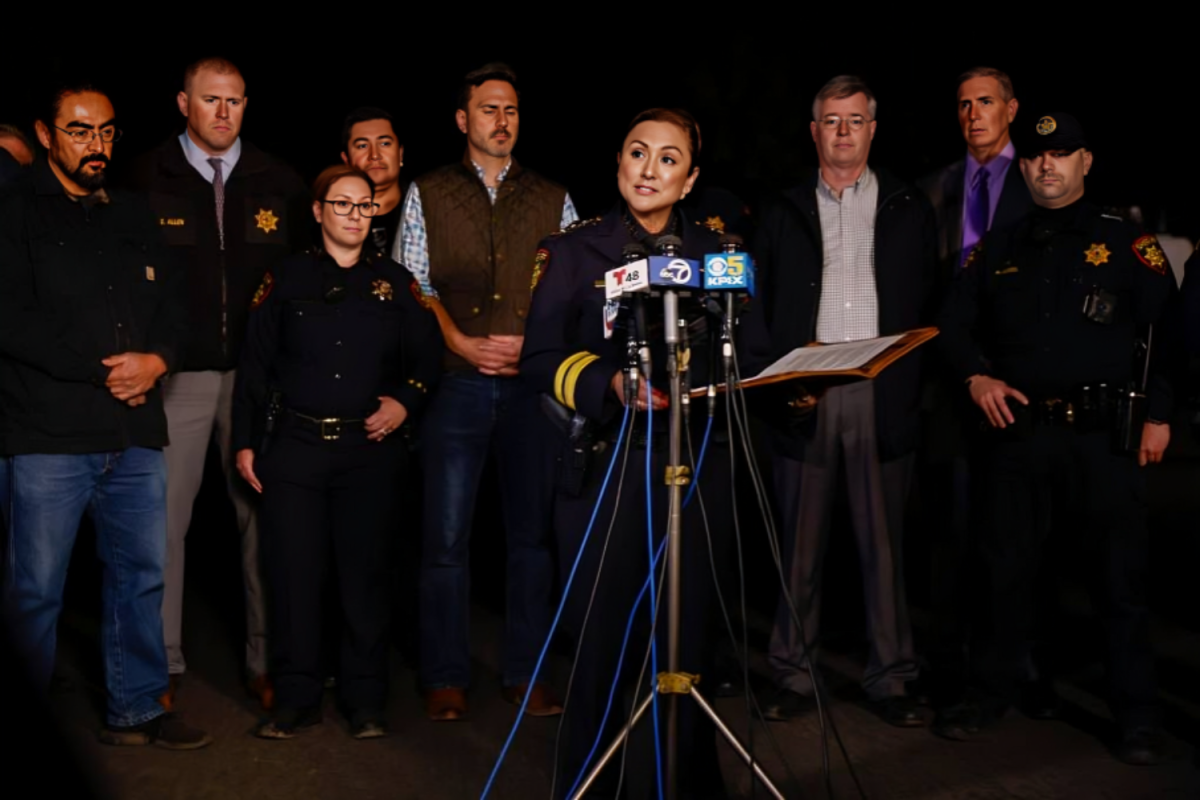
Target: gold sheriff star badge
x=267 y=221
x=381 y=289
x=1097 y=254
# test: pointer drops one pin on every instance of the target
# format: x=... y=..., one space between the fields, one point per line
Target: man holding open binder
x=845 y=256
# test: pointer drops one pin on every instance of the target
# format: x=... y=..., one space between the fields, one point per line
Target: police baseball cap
x=1057 y=131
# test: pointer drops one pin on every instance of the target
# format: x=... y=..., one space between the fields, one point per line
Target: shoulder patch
x=714 y=224
x=1150 y=253
x=577 y=224
x=973 y=256
x=264 y=289
x=422 y=300
x=541 y=260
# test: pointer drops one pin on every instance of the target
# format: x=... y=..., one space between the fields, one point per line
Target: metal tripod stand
x=674 y=684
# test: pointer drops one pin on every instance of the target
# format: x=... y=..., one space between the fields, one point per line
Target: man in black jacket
x=228 y=211
x=981 y=191
x=847 y=255
x=89 y=323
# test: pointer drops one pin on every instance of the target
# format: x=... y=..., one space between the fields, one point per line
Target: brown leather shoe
x=542 y=700
x=260 y=686
x=167 y=701
x=446 y=704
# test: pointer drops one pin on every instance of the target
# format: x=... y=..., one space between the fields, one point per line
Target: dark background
x=581 y=84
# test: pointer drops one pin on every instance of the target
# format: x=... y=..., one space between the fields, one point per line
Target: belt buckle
x=331 y=429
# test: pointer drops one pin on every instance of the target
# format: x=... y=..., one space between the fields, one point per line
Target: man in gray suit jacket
x=981 y=191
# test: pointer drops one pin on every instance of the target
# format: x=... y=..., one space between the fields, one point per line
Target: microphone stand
x=673 y=683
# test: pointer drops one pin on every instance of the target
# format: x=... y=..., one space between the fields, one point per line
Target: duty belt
x=329 y=428
x=1088 y=407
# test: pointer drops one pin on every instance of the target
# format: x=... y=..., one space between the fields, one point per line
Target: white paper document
x=830 y=357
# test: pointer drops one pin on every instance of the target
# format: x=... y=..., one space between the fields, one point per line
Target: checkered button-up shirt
x=412 y=245
x=849 y=308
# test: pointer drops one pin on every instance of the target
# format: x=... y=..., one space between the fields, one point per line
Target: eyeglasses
x=343 y=207
x=832 y=123
x=87 y=136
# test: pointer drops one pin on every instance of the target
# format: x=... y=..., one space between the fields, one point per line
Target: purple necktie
x=219 y=191
x=978 y=207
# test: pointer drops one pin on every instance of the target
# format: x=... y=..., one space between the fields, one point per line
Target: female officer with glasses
x=338 y=356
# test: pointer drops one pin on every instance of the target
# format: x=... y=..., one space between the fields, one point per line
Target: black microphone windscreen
x=731 y=240
x=668 y=242
x=633 y=252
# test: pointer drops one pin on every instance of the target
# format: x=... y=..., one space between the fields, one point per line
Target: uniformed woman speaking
x=338 y=355
x=567 y=356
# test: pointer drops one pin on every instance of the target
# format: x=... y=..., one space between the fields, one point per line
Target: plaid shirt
x=849 y=308
x=412 y=245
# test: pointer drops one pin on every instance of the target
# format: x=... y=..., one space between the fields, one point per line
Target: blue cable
x=632 y=616
x=699 y=463
x=561 y=604
x=653 y=592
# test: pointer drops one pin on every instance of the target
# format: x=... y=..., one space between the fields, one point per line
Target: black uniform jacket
x=267 y=217
x=1016 y=311
x=565 y=354
x=335 y=357
x=790 y=265
x=80 y=282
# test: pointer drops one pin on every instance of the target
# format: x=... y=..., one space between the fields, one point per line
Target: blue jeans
x=124 y=492
x=471 y=415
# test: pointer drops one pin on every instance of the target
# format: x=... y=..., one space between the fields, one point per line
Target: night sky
x=752 y=97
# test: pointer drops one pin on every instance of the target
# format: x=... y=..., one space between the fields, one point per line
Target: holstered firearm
x=1131 y=410
x=575 y=456
x=270 y=419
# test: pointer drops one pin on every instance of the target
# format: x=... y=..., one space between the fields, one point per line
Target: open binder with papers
x=862 y=359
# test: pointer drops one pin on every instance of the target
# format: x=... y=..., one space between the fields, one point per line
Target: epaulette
x=577 y=224
x=714 y=224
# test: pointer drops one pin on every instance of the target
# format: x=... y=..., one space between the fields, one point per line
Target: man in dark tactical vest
x=469 y=235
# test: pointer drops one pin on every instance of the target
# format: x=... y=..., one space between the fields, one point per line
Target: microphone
x=639 y=347
x=731 y=269
x=668 y=247
x=731 y=273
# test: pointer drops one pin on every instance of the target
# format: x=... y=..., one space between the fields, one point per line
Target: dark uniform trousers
x=625 y=568
x=1025 y=482
x=322 y=498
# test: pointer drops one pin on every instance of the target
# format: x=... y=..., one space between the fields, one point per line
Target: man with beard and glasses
x=228 y=211
x=469 y=235
x=90 y=322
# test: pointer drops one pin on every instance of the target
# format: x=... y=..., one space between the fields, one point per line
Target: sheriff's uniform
x=1054 y=306
x=330 y=341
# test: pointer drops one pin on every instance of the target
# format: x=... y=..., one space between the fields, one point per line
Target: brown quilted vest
x=480 y=254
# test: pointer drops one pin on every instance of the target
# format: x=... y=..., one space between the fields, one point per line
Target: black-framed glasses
x=88 y=135
x=343 y=207
x=833 y=122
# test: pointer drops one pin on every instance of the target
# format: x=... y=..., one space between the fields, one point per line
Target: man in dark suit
x=981 y=191
x=848 y=255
